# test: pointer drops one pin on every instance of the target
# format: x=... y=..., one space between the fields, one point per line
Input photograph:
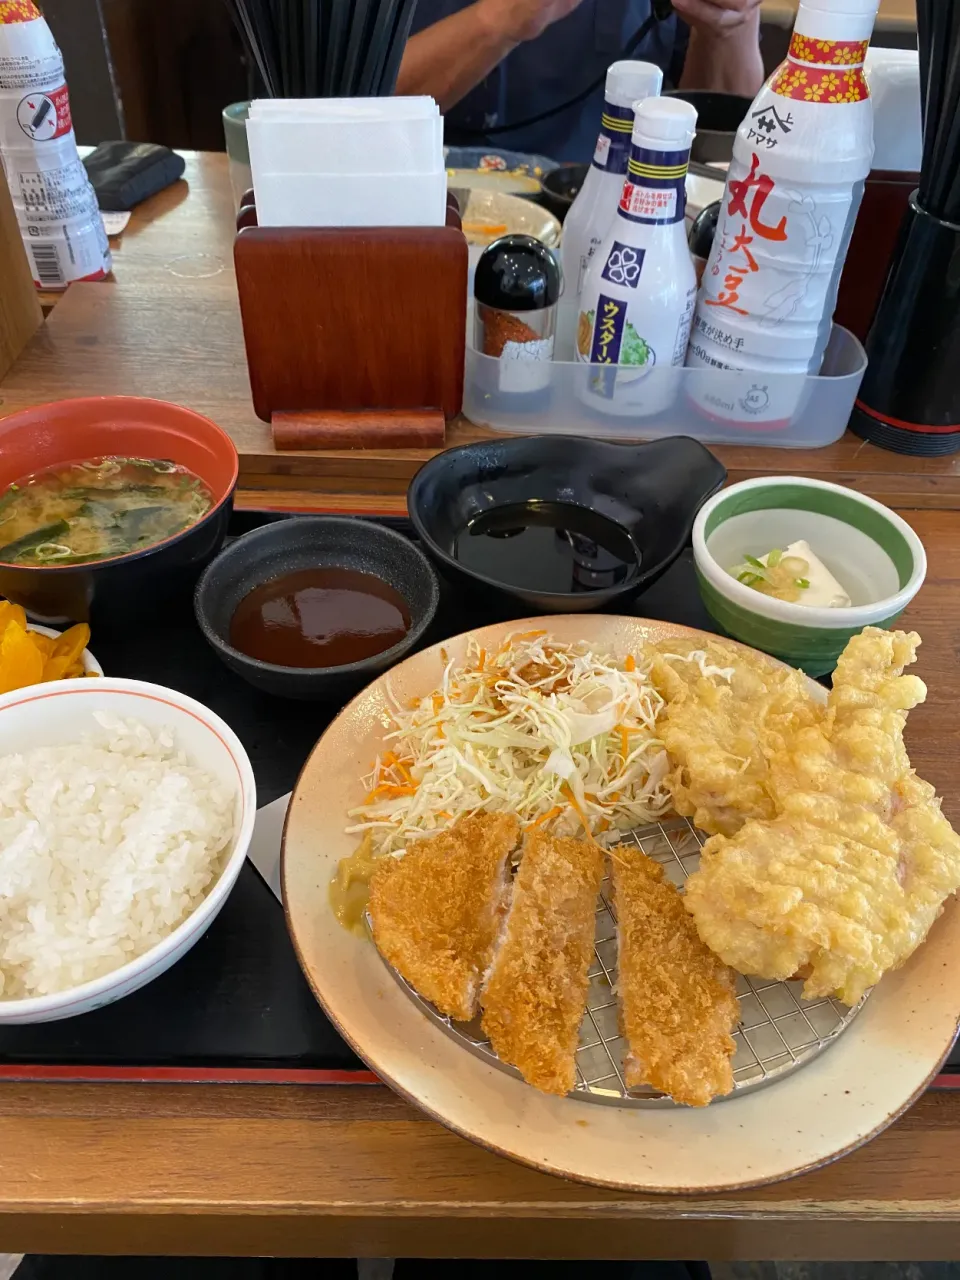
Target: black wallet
x=125 y=173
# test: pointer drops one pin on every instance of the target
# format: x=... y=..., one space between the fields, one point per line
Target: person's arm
x=724 y=49
x=448 y=59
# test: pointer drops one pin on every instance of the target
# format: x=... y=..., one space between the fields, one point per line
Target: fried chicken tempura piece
x=847 y=881
x=535 y=996
x=437 y=911
x=678 y=1001
x=727 y=714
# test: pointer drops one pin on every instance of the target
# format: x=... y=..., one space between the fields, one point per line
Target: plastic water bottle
x=589 y=217
x=793 y=190
x=638 y=295
x=55 y=204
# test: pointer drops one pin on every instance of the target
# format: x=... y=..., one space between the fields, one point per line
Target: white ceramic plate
x=843 y=1098
x=491 y=214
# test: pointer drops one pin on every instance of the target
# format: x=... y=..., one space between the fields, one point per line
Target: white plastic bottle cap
x=837 y=8
x=668 y=121
x=629 y=81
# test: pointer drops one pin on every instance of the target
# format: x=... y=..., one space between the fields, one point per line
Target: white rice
x=106 y=845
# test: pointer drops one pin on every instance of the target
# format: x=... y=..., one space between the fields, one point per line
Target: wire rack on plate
x=777 y=1033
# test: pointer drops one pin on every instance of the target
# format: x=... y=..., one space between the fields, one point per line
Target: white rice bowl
x=126 y=810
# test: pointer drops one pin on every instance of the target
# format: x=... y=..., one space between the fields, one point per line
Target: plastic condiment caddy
x=683 y=400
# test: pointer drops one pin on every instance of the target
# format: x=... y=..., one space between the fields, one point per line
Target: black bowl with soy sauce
x=562 y=523
x=315 y=607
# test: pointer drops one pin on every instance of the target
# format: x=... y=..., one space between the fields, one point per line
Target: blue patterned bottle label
x=613 y=144
x=607 y=339
x=654 y=190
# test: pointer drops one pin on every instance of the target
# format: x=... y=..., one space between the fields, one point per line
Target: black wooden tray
x=236 y=1007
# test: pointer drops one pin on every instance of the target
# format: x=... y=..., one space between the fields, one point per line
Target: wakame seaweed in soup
x=79 y=512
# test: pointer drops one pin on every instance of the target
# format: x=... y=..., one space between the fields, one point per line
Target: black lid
x=704 y=230
x=517 y=273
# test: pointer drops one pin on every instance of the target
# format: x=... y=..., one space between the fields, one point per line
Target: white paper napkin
x=264 y=851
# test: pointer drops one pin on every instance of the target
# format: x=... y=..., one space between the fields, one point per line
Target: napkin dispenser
x=355 y=336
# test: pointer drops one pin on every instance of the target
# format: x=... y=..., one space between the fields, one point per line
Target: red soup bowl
x=139 y=582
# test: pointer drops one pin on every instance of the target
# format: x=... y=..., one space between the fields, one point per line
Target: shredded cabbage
x=559 y=735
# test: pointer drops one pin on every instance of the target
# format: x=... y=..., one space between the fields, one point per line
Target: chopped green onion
x=748 y=579
x=802 y=583
x=774 y=558
x=51 y=551
x=757 y=564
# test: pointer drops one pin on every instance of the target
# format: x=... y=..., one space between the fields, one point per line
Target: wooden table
x=347 y=1170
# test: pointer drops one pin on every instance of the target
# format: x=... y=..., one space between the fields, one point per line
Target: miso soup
x=80 y=512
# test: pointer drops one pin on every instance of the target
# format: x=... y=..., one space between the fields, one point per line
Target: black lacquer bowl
x=651 y=491
x=306 y=543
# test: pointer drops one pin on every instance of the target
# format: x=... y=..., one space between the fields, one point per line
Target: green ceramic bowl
x=875 y=555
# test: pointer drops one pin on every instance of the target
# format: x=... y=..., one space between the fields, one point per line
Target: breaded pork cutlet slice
x=678 y=1001
x=437 y=911
x=535 y=995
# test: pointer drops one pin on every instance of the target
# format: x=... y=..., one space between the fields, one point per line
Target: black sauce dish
x=561 y=186
x=310 y=542
x=649 y=494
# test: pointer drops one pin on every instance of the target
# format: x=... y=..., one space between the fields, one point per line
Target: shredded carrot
x=389 y=759
x=440 y=733
x=566 y=790
x=443 y=814
x=482 y=660
x=390 y=789
x=482 y=227
x=624 y=742
x=631 y=663
x=413 y=704
x=529 y=635
x=555 y=812
x=437 y=702
x=614 y=798
x=605 y=824
x=405 y=773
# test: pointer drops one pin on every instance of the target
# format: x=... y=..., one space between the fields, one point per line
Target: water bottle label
x=820 y=84
x=613 y=144
x=823 y=71
x=773 y=257
x=45 y=116
x=654 y=190
x=18 y=11
x=52 y=193
x=29 y=56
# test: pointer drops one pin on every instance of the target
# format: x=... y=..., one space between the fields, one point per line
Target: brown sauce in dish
x=319 y=618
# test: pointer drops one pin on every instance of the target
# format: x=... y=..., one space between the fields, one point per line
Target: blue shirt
x=544 y=72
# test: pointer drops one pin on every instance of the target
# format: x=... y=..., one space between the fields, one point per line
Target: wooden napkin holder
x=355 y=335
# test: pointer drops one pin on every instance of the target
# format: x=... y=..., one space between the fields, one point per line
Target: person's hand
x=520 y=20
x=718 y=17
